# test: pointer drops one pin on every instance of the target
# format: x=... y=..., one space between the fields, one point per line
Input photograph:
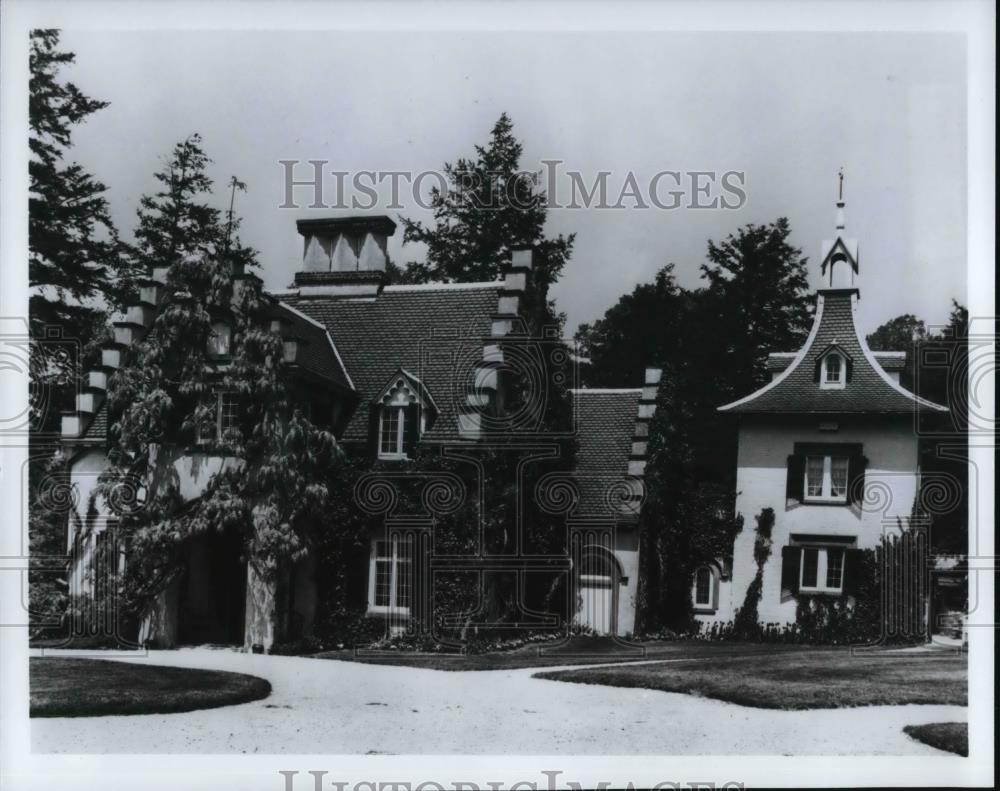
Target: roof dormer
x=400 y=415
x=833 y=368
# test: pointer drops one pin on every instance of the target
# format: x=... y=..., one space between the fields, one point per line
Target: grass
x=950 y=736
x=802 y=679
x=576 y=651
x=76 y=687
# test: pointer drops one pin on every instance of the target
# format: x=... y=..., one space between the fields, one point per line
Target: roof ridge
x=444 y=286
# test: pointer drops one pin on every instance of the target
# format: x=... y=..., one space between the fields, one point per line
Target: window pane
x=833 y=368
x=814 y=476
x=810 y=567
x=404 y=572
x=703 y=586
x=382 y=570
x=229 y=410
x=389 y=442
x=834 y=568
x=838 y=476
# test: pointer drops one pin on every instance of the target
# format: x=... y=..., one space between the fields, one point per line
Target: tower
x=840 y=255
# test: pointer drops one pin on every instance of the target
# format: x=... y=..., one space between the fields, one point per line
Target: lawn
x=76 y=687
x=802 y=679
x=576 y=651
x=950 y=736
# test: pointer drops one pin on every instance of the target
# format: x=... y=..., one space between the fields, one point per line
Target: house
x=829 y=444
x=386 y=368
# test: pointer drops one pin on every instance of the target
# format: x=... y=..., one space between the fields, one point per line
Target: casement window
x=815 y=564
x=704 y=590
x=825 y=474
x=392 y=432
x=821 y=570
x=219 y=339
x=391 y=577
x=826 y=478
x=221 y=420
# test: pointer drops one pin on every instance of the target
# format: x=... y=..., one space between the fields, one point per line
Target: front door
x=213 y=591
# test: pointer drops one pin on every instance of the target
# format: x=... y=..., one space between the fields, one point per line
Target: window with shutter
x=822 y=570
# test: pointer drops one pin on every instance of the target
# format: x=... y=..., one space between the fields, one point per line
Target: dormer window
x=400 y=416
x=834 y=371
x=391 y=432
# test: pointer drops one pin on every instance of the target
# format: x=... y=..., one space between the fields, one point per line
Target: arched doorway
x=213 y=591
x=597 y=578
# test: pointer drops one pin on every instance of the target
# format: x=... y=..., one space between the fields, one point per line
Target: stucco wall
x=627 y=553
x=891 y=480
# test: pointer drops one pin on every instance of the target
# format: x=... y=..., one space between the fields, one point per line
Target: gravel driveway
x=324 y=706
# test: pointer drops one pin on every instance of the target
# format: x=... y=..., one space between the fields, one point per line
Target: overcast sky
x=786 y=109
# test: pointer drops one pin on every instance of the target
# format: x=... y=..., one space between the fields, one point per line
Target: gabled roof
x=605 y=427
x=422 y=392
x=870 y=389
x=433 y=331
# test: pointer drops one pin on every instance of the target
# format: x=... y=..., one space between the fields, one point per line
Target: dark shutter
x=848 y=369
x=411 y=429
x=856 y=465
x=852 y=564
x=794 y=485
x=373 y=438
x=817 y=370
x=790 y=559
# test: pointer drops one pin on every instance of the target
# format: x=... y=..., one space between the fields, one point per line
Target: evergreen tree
x=273 y=484
x=489 y=207
x=74 y=270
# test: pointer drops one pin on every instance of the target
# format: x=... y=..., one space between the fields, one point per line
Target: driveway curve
x=326 y=706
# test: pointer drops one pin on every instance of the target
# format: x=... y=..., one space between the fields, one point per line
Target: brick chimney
x=343 y=256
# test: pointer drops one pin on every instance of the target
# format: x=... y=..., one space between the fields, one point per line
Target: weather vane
x=840 y=175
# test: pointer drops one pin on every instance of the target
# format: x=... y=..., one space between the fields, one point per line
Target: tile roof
x=436 y=332
x=890 y=361
x=869 y=390
x=317 y=354
x=605 y=426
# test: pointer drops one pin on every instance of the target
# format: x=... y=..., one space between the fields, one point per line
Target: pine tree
x=273 y=485
x=489 y=207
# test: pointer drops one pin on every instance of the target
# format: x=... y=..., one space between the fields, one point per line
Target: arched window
x=703 y=589
x=833 y=374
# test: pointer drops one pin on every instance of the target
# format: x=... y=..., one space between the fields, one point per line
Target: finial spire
x=840 y=200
